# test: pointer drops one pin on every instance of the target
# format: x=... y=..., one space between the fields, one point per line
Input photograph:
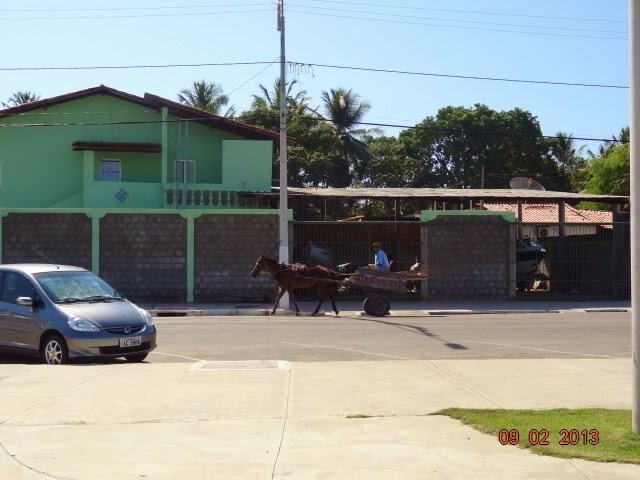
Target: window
x=14 y=286
x=110 y=170
x=66 y=286
x=185 y=171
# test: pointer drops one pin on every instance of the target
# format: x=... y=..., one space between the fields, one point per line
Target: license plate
x=130 y=342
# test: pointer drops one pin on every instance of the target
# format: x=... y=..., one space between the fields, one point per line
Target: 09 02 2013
x=542 y=436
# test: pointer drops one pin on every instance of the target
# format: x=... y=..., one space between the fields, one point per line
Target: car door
x=19 y=323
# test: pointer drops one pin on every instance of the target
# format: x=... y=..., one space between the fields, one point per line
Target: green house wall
x=40 y=169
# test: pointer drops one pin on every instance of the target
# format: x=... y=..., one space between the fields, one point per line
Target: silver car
x=60 y=312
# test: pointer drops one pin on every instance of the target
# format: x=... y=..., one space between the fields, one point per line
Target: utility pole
x=284 y=224
x=634 y=77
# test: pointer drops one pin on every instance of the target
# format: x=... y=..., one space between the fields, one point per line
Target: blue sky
x=572 y=41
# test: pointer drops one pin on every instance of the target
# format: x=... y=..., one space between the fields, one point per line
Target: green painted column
x=165 y=144
x=95 y=239
x=190 y=216
x=88 y=173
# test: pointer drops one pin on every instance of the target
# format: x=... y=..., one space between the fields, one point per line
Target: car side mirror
x=25 y=301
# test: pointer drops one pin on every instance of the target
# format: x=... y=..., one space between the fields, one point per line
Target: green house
x=103 y=148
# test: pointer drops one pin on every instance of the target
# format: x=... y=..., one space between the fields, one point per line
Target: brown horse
x=292 y=277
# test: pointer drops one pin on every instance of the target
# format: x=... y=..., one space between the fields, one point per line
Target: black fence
x=343 y=246
x=559 y=260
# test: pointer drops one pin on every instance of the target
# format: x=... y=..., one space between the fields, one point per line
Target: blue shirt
x=381 y=260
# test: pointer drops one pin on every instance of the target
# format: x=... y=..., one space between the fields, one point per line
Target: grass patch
x=359 y=415
x=599 y=435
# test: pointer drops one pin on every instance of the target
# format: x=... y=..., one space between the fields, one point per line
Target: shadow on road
x=414 y=329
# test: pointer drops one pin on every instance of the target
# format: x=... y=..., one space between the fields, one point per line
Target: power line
x=478 y=22
x=477 y=132
x=319 y=65
x=254 y=76
x=117 y=9
x=304 y=12
x=475 y=12
x=144 y=15
x=466 y=77
x=367 y=4
x=387 y=125
x=125 y=67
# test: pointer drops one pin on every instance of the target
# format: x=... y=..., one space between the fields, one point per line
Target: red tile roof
x=549 y=213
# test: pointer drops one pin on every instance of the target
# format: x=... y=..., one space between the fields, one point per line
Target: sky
x=332 y=44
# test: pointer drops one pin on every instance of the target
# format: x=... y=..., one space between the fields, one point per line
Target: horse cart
x=376 y=283
x=290 y=277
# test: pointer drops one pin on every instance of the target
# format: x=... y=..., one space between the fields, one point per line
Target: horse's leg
x=275 y=305
x=333 y=302
x=293 y=299
x=320 y=293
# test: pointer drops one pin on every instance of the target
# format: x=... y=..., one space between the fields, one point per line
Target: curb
x=266 y=312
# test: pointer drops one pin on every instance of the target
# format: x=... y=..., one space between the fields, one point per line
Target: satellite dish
x=524 y=183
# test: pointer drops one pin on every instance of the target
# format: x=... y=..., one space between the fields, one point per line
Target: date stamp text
x=543 y=437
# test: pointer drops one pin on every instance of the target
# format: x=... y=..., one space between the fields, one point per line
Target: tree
x=568 y=157
x=389 y=164
x=314 y=156
x=345 y=110
x=297 y=102
x=265 y=108
x=20 y=98
x=452 y=147
x=610 y=174
x=623 y=137
x=206 y=96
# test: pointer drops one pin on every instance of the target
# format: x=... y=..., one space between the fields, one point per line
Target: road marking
x=241 y=365
x=349 y=350
x=542 y=349
x=178 y=356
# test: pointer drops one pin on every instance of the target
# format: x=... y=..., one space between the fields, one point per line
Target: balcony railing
x=174 y=197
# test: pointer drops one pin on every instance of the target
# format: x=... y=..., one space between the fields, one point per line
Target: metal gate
x=559 y=260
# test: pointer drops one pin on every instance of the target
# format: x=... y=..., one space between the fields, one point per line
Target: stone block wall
x=144 y=255
x=64 y=238
x=226 y=250
x=468 y=257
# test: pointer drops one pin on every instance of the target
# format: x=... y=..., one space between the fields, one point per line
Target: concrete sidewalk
x=397 y=308
x=263 y=420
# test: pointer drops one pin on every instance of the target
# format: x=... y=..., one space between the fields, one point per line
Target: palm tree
x=20 y=98
x=344 y=110
x=206 y=96
x=297 y=103
x=624 y=137
x=569 y=158
x=566 y=153
x=604 y=148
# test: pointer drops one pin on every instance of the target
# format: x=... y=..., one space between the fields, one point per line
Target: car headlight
x=147 y=317
x=80 y=324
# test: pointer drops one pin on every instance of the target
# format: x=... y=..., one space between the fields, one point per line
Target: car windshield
x=71 y=287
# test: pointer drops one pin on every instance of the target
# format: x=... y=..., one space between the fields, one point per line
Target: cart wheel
x=376 y=306
x=366 y=306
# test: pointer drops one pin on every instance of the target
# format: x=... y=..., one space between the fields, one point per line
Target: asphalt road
x=349 y=338
x=569 y=334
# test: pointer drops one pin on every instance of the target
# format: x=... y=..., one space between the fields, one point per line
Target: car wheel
x=136 y=358
x=55 y=351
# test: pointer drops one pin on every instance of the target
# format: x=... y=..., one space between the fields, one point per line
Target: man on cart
x=381 y=262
